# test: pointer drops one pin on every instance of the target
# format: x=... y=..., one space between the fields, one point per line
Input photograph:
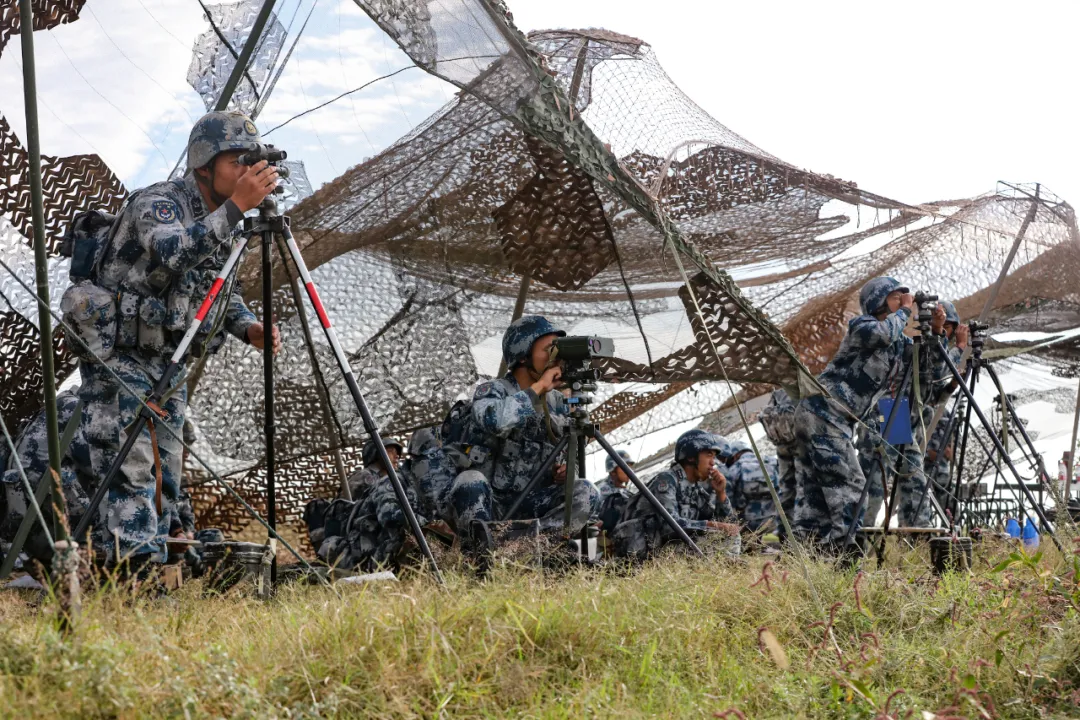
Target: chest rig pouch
x=87 y=308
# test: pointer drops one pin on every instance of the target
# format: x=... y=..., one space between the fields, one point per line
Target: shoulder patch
x=485 y=388
x=249 y=127
x=164 y=211
x=662 y=484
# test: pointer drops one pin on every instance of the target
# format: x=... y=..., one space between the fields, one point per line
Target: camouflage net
x=569 y=168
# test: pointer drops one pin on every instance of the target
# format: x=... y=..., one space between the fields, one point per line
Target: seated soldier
x=746 y=487
x=614 y=493
x=362 y=481
x=692 y=490
x=514 y=423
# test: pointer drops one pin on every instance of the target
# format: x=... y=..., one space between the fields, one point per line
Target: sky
x=917 y=100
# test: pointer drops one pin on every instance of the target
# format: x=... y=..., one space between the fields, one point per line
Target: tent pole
x=519 y=309
x=1072 y=447
x=245 y=56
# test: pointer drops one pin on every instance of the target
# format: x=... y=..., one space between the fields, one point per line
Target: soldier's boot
x=479 y=546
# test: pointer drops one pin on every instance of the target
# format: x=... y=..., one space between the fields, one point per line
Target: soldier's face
x=950 y=328
x=619 y=477
x=705 y=460
x=541 y=352
x=392 y=453
x=227 y=170
x=893 y=301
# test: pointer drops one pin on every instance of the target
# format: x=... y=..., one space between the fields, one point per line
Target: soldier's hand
x=948 y=452
x=558 y=475
x=937 y=322
x=907 y=300
x=257 y=337
x=931 y=455
x=719 y=483
x=963 y=334
x=729 y=529
x=548 y=381
x=258 y=182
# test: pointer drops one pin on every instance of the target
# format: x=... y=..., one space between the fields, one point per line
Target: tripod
x=268 y=224
x=973 y=407
x=582 y=382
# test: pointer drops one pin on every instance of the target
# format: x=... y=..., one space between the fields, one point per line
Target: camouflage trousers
x=33 y=454
x=870 y=461
x=913 y=508
x=128 y=520
x=785 y=464
x=471 y=497
x=829 y=481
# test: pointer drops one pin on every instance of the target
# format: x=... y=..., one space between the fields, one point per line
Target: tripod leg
x=358 y=398
x=1001 y=449
x=175 y=363
x=268 y=393
x=660 y=509
x=542 y=471
x=574 y=448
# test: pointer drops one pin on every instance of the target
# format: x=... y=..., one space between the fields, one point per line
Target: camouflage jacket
x=747 y=482
x=161 y=261
x=691 y=504
x=606 y=487
x=506 y=434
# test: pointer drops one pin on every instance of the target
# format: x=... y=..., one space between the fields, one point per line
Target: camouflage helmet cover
x=951 y=316
x=737 y=446
x=692 y=442
x=219 y=132
x=609 y=464
x=518 y=339
x=873 y=294
x=370 y=453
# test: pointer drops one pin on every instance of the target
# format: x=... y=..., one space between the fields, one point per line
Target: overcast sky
x=916 y=100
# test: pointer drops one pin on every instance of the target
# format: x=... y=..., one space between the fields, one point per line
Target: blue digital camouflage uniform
x=778 y=419
x=33 y=454
x=613 y=497
x=642 y=530
x=869 y=461
x=378 y=529
x=506 y=439
x=828 y=477
x=161 y=261
x=939 y=469
x=748 y=492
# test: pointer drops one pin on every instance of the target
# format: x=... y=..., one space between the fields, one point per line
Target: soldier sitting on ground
x=692 y=490
x=514 y=423
x=747 y=487
x=614 y=492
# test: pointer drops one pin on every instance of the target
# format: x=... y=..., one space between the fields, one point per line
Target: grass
x=675 y=638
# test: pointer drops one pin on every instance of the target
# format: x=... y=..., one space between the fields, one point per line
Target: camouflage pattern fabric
x=868 y=461
x=748 y=493
x=33 y=453
x=778 y=420
x=519 y=337
x=219 y=132
x=829 y=478
x=613 y=500
x=505 y=439
x=360 y=484
x=643 y=531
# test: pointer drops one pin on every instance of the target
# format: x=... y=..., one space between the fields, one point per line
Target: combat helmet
x=951 y=316
x=219 y=132
x=692 y=442
x=873 y=294
x=370 y=453
x=609 y=464
x=518 y=339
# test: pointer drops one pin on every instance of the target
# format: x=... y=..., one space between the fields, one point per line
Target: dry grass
x=675 y=638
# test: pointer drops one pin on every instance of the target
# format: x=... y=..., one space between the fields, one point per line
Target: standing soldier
x=132 y=301
x=778 y=419
x=692 y=490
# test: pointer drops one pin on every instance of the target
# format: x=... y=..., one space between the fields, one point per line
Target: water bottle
x=1030 y=537
x=1012 y=528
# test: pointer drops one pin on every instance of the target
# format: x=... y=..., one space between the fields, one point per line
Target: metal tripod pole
x=999 y=447
x=268 y=374
x=358 y=397
x=541 y=472
x=163 y=385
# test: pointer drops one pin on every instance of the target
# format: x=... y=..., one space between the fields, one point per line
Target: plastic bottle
x=1012 y=528
x=1030 y=536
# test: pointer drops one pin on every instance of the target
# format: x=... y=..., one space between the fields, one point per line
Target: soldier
x=692 y=490
x=747 y=487
x=133 y=303
x=362 y=481
x=513 y=424
x=778 y=419
x=828 y=477
x=614 y=493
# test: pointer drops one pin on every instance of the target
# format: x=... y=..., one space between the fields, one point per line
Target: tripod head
x=926 y=304
x=977 y=340
x=577 y=353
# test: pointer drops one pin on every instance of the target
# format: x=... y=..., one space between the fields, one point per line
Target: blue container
x=1030 y=536
x=1012 y=528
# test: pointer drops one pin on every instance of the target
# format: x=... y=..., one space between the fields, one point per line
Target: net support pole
x=988 y=305
x=320 y=381
x=519 y=310
x=41 y=261
x=245 y=56
x=1072 y=448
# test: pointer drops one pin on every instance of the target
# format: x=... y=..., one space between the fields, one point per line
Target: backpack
x=778 y=419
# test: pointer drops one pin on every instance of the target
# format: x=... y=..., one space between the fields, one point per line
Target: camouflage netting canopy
x=572 y=173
